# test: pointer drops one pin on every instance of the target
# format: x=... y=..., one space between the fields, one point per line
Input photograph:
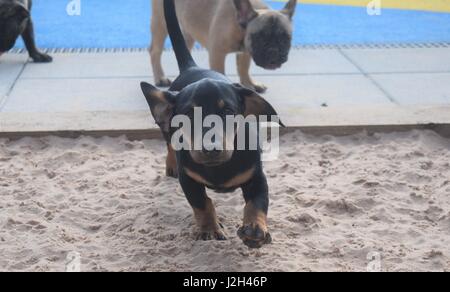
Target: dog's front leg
x=244 y=61
x=254 y=231
x=217 y=58
x=171 y=162
x=159 y=35
x=30 y=44
x=204 y=211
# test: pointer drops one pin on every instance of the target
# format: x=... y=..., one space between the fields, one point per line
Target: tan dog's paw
x=211 y=235
x=260 y=88
x=254 y=236
x=164 y=82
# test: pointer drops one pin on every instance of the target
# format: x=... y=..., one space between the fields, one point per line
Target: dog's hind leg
x=159 y=35
x=254 y=232
x=244 y=61
x=204 y=211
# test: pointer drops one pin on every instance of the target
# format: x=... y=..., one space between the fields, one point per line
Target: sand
x=336 y=203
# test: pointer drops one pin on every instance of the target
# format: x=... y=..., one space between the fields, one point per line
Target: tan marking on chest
x=240 y=179
x=197 y=177
x=236 y=181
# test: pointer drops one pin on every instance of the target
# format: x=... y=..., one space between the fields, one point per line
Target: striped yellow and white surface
x=426 y=5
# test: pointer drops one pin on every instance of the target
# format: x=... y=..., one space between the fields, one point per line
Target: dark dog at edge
x=223 y=171
x=15 y=21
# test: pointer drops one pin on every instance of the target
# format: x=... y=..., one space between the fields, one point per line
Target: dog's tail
x=184 y=57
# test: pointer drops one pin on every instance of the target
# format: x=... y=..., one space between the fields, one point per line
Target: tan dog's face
x=268 y=33
x=268 y=39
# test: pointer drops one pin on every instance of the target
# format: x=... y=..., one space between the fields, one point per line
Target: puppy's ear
x=289 y=9
x=245 y=12
x=255 y=104
x=161 y=105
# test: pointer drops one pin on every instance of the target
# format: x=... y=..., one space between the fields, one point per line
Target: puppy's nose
x=211 y=153
x=212 y=148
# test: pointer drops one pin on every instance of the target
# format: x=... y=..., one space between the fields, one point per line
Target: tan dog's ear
x=289 y=9
x=161 y=104
x=255 y=104
x=245 y=12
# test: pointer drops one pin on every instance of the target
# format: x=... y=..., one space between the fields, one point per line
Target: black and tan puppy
x=15 y=21
x=221 y=170
x=246 y=27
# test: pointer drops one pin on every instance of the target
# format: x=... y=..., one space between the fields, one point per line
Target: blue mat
x=126 y=24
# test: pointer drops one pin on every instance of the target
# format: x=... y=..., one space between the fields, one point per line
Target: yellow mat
x=427 y=5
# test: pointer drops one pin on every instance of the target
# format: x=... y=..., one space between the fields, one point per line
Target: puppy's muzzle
x=210 y=158
x=212 y=155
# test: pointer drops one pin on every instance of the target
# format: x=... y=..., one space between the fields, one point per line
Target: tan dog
x=248 y=27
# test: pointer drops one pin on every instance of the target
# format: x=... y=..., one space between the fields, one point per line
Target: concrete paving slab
x=416 y=89
x=10 y=68
x=91 y=65
x=315 y=91
x=132 y=65
x=76 y=121
x=75 y=95
x=139 y=124
x=301 y=61
x=373 y=115
x=308 y=61
x=401 y=59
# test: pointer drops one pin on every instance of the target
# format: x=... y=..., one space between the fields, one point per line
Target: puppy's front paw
x=209 y=225
x=171 y=163
x=254 y=236
x=254 y=232
x=207 y=235
x=41 y=58
x=164 y=82
x=171 y=172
